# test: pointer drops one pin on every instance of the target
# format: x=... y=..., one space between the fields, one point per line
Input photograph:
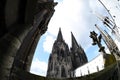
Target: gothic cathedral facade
x=62 y=60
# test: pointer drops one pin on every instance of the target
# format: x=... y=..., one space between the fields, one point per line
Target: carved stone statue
x=93 y=35
x=97 y=41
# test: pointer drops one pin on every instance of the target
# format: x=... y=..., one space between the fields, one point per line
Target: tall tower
x=60 y=63
x=77 y=54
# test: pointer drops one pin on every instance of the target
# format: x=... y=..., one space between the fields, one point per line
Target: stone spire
x=75 y=45
x=78 y=55
x=74 y=42
x=60 y=64
x=59 y=37
x=62 y=61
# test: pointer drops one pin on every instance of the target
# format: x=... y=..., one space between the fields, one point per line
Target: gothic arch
x=22 y=23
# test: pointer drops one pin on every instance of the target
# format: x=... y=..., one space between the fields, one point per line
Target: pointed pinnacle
x=59 y=37
x=74 y=42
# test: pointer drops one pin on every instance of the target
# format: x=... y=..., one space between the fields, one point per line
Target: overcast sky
x=75 y=16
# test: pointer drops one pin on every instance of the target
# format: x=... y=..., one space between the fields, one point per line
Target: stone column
x=9 y=45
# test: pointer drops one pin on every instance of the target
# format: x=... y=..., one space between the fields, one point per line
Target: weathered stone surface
x=77 y=54
x=19 y=31
x=62 y=61
x=17 y=19
x=110 y=73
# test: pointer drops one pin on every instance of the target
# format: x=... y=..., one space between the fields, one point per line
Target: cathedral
x=62 y=60
x=23 y=23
